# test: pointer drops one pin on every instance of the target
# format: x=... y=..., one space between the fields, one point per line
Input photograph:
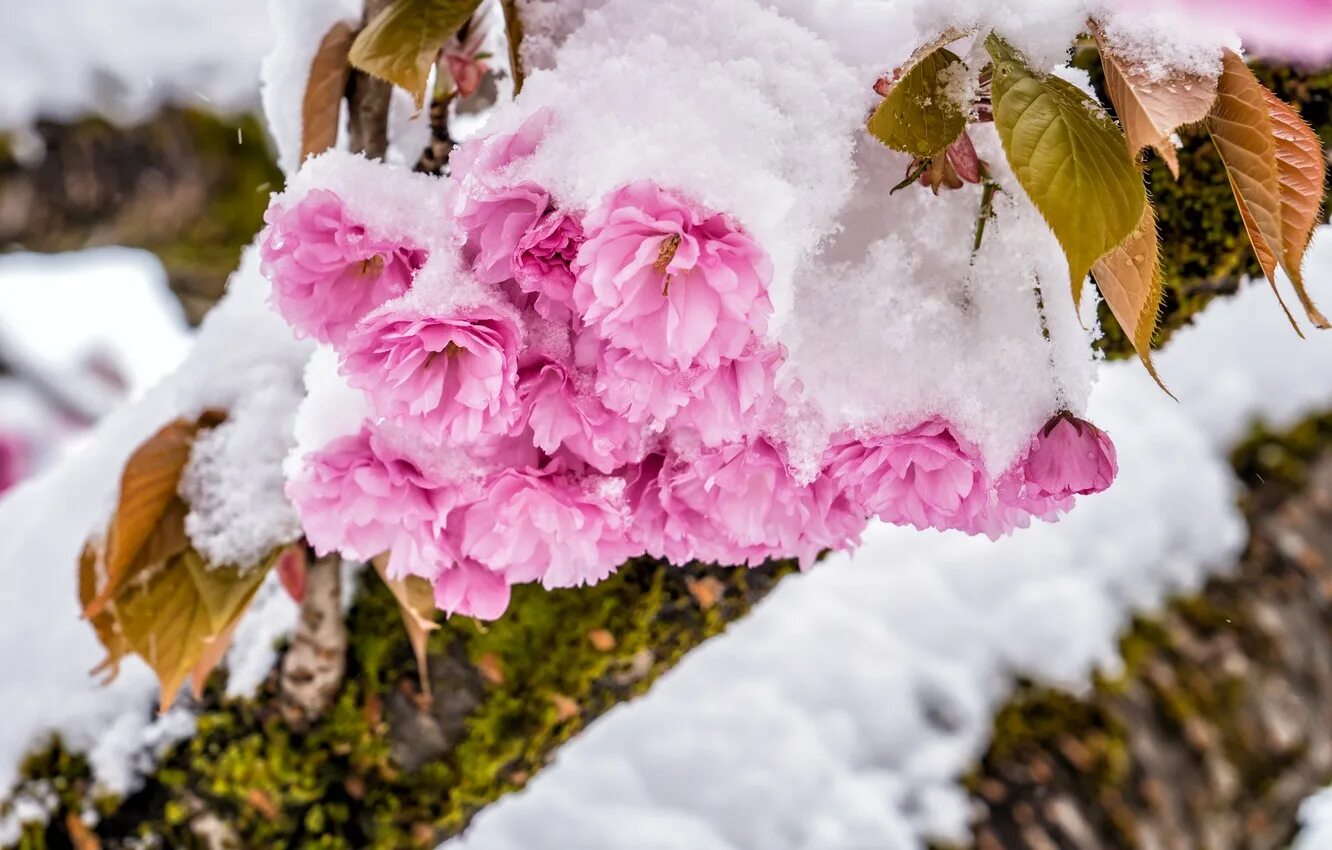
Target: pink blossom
x=1297 y=29
x=928 y=477
x=469 y=589
x=639 y=389
x=494 y=209
x=14 y=457
x=664 y=280
x=1070 y=456
x=740 y=504
x=1015 y=505
x=548 y=526
x=328 y=270
x=563 y=415
x=729 y=403
x=541 y=263
x=454 y=375
x=358 y=496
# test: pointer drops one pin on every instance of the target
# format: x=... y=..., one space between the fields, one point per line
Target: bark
x=312 y=667
x=1219 y=728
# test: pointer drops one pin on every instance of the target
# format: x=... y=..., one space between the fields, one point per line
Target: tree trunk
x=1220 y=725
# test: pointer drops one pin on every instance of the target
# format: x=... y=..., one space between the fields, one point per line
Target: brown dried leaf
x=262 y=803
x=103 y=623
x=1152 y=109
x=169 y=616
x=1241 y=128
x=566 y=708
x=707 y=591
x=80 y=835
x=491 y=668
x=1301 y=171
x=1129 y=278
x=147 y=489
x=416 y=602
x=321 y=108
x=601 y=639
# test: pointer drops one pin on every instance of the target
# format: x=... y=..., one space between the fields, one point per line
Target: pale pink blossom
x=547 y=525
x=927 y=477
x=493 y=208
x=640 y=390
x=1016 y=504
x=452 y=376
x=669 y=282
x=562 y=413
x=730 y=402
x=358 y=496
x=469 y=589
x=542 y=263
x=1070 y=456
x=15 y=455
x=739 y=504
x=327 y=269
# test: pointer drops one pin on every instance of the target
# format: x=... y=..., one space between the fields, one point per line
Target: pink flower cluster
x=613 y=393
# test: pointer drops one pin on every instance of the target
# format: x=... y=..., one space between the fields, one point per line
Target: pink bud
x=1070 y=456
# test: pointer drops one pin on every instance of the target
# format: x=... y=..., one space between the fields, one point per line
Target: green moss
x=339 y=785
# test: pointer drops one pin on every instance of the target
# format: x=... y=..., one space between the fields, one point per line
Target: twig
x=435 y=156
x=368 y=102
x=988 y=188
x=313 y=667
x=912 y=176
x=513 y=31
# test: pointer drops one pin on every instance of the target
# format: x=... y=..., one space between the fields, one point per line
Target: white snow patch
x=1315 y=822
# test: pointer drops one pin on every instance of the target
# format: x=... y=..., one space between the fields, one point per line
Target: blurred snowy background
x=843 y=712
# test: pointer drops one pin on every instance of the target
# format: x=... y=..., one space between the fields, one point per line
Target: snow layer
x=61 y=59
x=1316 y=822
x=845 y=709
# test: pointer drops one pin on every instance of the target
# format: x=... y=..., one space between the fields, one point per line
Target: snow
x=62 y=59
x=1316 y=822
x=845 y=709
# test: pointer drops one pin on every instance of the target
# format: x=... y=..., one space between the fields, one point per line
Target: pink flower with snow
x=1015 y=505
x=669 y=282
x=730 y=403
x=469 y=589
x=549 y=526
x=542 y=263
x=562 y=412
x=740 y=504
x=358 y=496
x=1295 y=29
x=494 y=209
x=928 y=477
x=452 y=375
x=1070 y=456
x=327 y=270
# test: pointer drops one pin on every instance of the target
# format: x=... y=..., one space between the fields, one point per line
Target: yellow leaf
x=1129 y=278
x=919 y=116
x=403 y=41
x=1069 y=157
x=147 y=495
x=416 y=602
x=1301 y=172
x=169 y=616
x=1242 y=130
x=1151 y=109
x=321 y=107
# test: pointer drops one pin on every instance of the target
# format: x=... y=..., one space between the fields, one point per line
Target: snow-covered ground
x=1315 y=823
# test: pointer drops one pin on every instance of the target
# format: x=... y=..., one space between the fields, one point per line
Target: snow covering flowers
x=565 y=377
x=328 y=270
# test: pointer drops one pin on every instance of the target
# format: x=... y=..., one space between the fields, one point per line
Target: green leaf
x=919 y=115
x=402 y=42
x=1070 y=157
